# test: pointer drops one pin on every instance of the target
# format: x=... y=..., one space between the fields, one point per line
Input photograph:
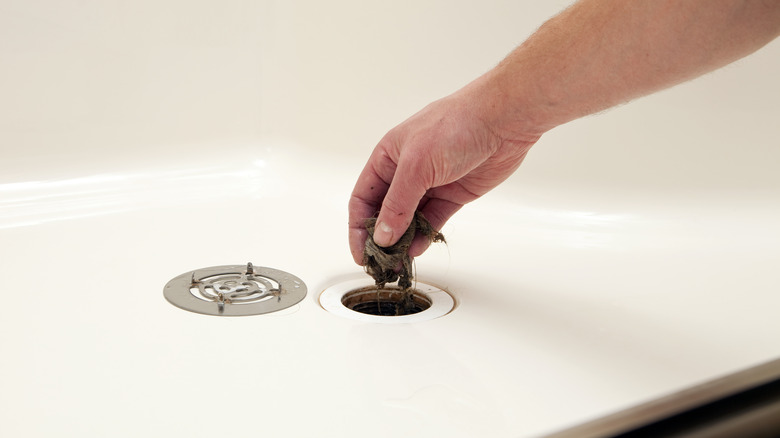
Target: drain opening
x=387 y=301
x=360 y=300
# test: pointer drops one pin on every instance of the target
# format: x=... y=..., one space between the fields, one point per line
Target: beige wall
x=112 y=82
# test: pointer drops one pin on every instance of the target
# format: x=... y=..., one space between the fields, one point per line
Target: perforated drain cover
x=235 y=290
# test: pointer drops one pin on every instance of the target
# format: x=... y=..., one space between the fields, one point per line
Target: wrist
x=510 y=106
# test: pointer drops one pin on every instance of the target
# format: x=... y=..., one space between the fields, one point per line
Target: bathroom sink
x=632 y=257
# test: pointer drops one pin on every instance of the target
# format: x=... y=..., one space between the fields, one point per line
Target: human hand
x=441 y=158
x=594 y=55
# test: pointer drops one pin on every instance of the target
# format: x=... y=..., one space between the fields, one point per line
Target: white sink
x=634 y=254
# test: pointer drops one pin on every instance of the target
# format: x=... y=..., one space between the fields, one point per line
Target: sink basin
x=634 y=254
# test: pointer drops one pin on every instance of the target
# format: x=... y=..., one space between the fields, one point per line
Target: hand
x=441 y=158
x=594 y=55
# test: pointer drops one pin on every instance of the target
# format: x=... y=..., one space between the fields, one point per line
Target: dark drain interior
x=386 y=301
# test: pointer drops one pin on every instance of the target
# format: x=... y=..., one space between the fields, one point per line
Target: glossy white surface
x=634 y=254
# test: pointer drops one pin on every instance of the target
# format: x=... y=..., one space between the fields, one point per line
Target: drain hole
x=387 y=301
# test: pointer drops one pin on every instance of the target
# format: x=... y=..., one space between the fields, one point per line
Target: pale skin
x=593 y=56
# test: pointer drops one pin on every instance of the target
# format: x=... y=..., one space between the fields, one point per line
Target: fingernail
x=382 y=234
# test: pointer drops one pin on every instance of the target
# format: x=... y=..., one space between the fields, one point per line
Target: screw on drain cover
x=235 y=290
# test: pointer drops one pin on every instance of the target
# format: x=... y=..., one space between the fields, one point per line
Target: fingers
x=357 y=243
x=442 y=156
x=396 y=192
x=393 y=190
x=410 y=182
x=365 y=201
x=437 y=212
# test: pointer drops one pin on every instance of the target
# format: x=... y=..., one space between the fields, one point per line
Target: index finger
x=366 y=199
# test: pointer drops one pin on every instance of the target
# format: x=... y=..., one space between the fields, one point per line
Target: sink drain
x=235 y=290
x=363 y=301
x=388 y=301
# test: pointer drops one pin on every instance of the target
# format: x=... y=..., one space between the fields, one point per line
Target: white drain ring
x=331 y=300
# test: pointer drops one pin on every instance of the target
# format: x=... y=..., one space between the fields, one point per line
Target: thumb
x=403 y=196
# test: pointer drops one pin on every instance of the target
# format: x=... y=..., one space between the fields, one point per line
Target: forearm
x=601 y=53
x=594 y=55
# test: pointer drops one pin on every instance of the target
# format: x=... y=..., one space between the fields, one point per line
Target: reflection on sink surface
x=566 y=316
x=621 y=263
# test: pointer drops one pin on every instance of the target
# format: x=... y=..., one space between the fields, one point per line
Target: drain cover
x=235 y=290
